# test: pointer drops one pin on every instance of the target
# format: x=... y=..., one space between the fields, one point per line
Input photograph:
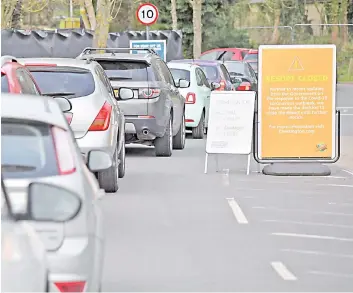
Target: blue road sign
x=159 y=46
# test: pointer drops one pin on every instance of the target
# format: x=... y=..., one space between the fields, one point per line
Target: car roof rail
x=7 y=58
x=88 y=50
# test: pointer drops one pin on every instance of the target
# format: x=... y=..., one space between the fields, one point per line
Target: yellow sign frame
x=297 y=104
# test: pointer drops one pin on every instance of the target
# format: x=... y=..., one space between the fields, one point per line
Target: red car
x=16 y=79
x=225 y=54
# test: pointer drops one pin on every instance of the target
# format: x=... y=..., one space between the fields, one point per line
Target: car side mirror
x=183 y=83
x=98 y=160
x=235 y=80
x=51 y=203
x=215 y=85
x=126 y=93
x=64 y=104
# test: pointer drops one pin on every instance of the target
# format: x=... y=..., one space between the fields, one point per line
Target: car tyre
x=122 y=156
x=108 y=179
x=198 y=132
x=179 y=139
x=164 y=145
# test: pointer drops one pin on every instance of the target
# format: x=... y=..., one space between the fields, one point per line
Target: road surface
x=171 y=227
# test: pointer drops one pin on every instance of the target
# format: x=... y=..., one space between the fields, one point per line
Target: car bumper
x=97 y=140
x=192 y=115
x=77 y=263
x=143 y=128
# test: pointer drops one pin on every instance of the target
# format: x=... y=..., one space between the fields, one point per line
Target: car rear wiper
x=236 y=74
x=118 y=78
x=59 y=94
x=16 y=168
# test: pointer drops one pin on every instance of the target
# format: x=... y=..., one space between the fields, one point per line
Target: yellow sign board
x=296 y=102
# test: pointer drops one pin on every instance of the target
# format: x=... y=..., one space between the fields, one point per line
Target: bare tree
x=174 y=15
x=197 y=26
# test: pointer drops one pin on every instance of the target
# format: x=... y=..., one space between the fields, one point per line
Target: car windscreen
x=180 y=74
x=253 y=57
x=211 y=72
x=27 y=149
x=4 y=83
x=73 y=81
x=235 y=68
x=127 y=70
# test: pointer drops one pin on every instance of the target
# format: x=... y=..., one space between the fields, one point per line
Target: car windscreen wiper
x=16 y=168
x=55 y=94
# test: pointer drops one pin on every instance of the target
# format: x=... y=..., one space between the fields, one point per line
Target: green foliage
x=228 y=38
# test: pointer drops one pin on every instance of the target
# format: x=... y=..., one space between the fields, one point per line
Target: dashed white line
x=303 y=211
x=283 y=271
x=310 y=224
x=313 y=236
x=329 y=274
x=318 y=253
x=238 y=213
x=347 y=171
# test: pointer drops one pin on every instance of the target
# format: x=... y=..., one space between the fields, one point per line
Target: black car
x=242 y=73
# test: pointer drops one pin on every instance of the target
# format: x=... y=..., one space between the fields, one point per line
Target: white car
x=197 y=96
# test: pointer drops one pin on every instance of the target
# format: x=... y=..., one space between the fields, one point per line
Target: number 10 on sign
x=147 y=14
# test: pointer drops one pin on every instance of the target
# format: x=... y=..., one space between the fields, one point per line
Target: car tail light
x=244 y=86
x=150 y=93
x=101 y=122
x=189 y=120
x=64 y=152
x=190 y=98
x=77 y=286
x=68 y=116
x=223 y=85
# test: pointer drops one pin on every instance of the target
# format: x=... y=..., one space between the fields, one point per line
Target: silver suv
x=96 y=119
x=155 y=112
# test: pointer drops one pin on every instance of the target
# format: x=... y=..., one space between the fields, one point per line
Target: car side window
x=26 y=83
x=211 y=56
x=225 y=73
x=204 y=79
x=227 y=56
x=166 y=72
x=198 y=77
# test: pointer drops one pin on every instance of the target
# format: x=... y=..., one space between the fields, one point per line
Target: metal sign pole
x=147 y=32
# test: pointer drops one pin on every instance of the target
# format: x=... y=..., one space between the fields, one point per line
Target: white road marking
x=340 y=204
x=311 y=224
x=304 y=211
x=336 y=185
x=313 y=236
x=347 y=171
x=328 y=274
x=319 y=253
x=238 y=213
x=282 y=271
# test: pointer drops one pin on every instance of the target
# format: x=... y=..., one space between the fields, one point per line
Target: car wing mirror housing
x=98 y=160
x=183 y=83
x=215 y=85
x=64 y=104
x=126 y=93
x=50 y=203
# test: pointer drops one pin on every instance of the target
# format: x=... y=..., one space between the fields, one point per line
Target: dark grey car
x=154 y=114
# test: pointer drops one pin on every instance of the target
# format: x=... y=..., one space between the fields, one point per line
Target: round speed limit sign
x=147 y=14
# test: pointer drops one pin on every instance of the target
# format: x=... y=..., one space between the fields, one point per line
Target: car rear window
x=235 y=68
x=27 y=149
x=210 y=71
x=180 y=74
x=127 y=70
x=4 y=83
x=73 y=81
x=253 y=57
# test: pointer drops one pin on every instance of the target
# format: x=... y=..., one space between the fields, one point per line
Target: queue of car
x=65 y=126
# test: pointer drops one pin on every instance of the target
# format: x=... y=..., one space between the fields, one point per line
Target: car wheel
x=164 y=145
x=179 y=139
x=198 y=132
x=122 y=155
x=108 y=179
